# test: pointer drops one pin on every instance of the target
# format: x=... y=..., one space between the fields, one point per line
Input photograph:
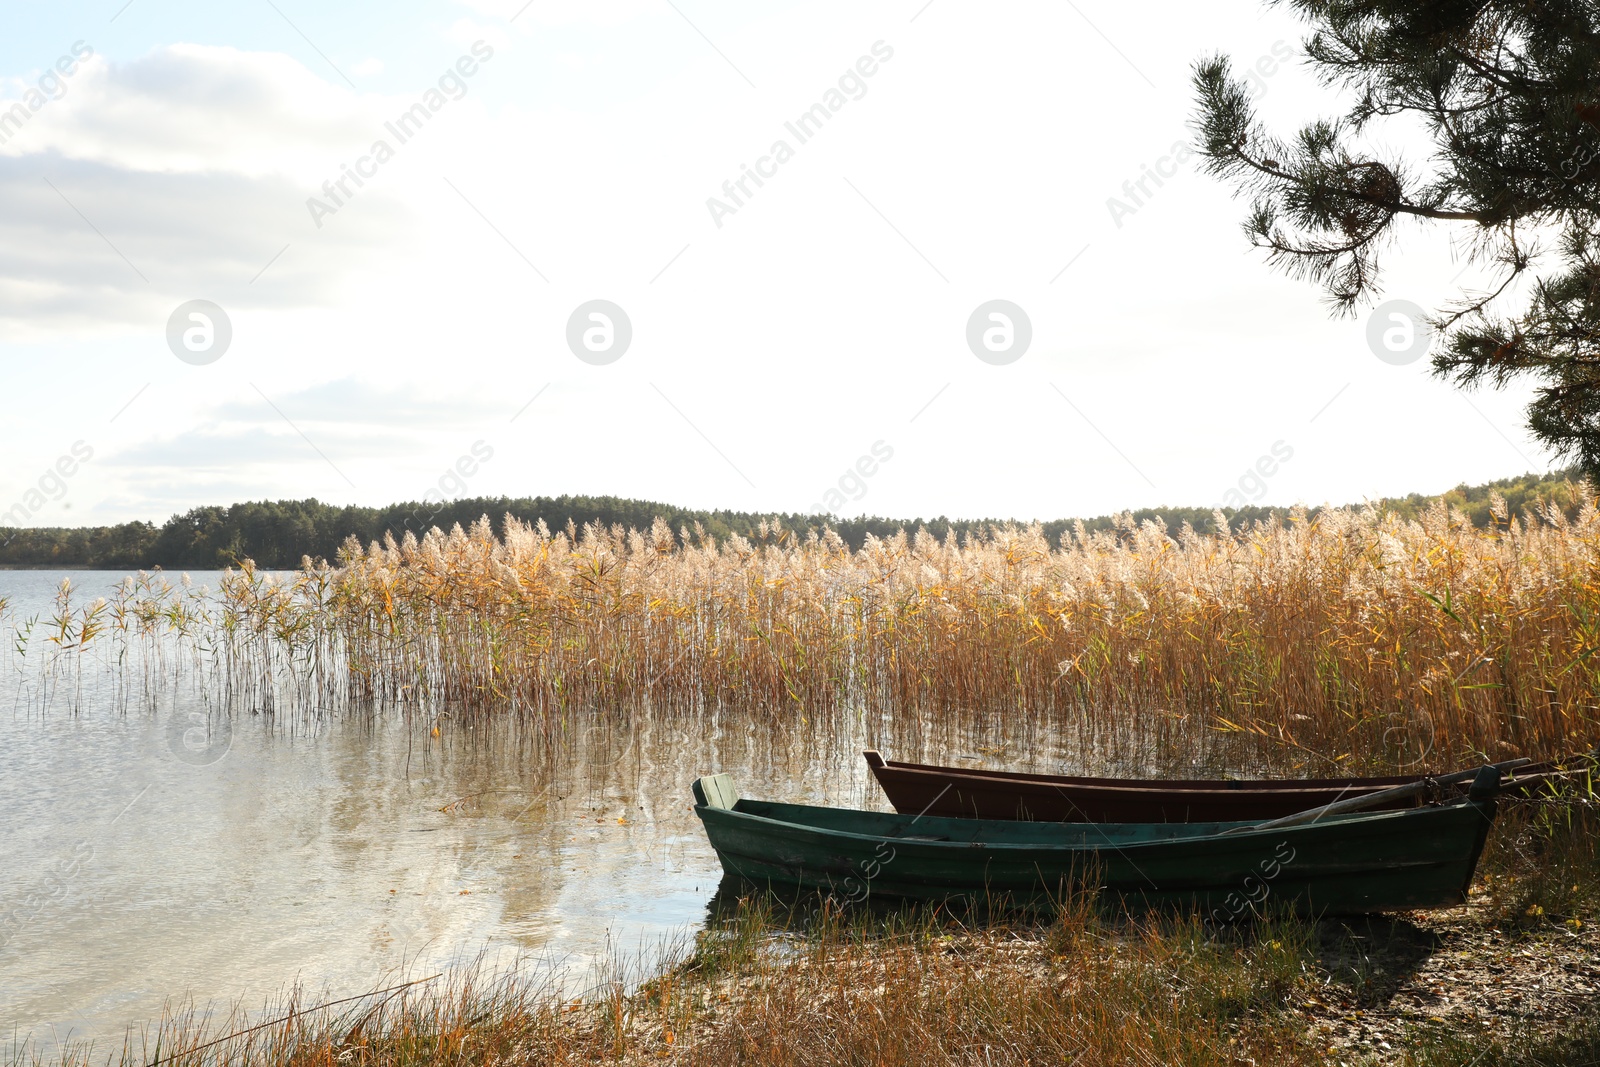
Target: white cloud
x=214 y=448
x=92 y=246
x=602 y=13
x=184 y=173
x=201 y=108
x=465 y=32
x=353 y=402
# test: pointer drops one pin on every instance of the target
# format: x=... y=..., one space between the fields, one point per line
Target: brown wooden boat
x=954 y=792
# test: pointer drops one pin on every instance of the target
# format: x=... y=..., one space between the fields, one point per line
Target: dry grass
x=1356 y=639
x=1086 y=990
x=922 y=992
x=915 y=988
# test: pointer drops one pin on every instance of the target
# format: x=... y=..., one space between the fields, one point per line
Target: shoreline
x=922 y=987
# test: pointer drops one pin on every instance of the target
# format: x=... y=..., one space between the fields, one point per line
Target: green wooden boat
x=1338 y=864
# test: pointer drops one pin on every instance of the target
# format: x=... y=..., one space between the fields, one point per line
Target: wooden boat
x=1339 y=864
x=954 y=792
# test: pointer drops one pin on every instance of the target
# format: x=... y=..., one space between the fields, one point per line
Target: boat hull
x=1422 y=858
x=953 y=792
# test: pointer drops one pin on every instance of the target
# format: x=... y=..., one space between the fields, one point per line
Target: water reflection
x=161 y=842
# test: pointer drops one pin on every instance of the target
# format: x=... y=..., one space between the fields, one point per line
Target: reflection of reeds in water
x=1356 y=637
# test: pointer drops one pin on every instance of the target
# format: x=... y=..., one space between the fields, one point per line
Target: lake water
x=150 y=850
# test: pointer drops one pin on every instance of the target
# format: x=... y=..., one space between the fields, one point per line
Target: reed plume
x=1355 y=636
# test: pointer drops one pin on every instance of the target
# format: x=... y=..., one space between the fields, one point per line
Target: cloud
x=190 y=108
x=463 y=32
x=352 y=402
x=85 y=244
x=183 y=174
x=346 y=422
x=603 y=13
x=212 y=448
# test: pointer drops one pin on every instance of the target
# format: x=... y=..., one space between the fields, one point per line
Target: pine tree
x=1509 y=91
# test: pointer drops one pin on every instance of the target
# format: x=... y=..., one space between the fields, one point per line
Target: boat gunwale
x=1242 y=834
x=1221 y=787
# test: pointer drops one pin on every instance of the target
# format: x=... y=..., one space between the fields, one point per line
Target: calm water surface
x=144 y=858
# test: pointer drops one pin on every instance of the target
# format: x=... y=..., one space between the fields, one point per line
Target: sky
x=939 y=291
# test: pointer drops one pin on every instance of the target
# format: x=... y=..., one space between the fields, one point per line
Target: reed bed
x=1355 y=638
x=256 y=642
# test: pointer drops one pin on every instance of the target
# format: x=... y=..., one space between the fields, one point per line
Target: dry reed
x=1357 y=638
x=1353 y=636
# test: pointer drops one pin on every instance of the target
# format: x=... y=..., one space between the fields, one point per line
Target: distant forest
x=278 y=534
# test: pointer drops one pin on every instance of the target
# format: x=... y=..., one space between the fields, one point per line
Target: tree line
x=279 y=534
